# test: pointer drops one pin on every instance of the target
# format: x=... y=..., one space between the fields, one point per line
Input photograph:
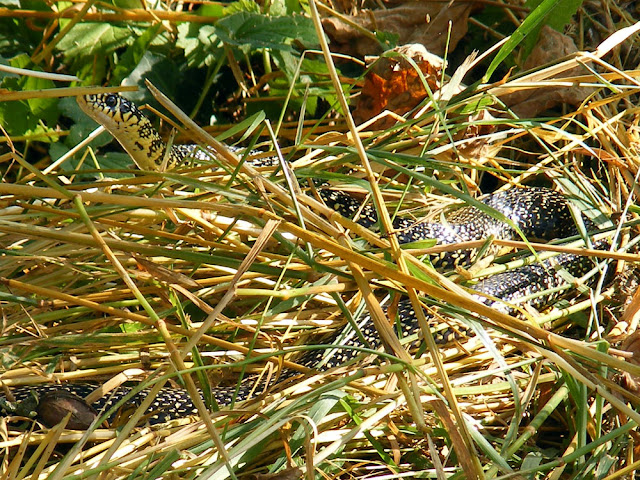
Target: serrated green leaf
x=87 y=39
x=200 y=44
x=259 y=31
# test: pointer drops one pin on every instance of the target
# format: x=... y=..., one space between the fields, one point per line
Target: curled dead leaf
x=394 y=84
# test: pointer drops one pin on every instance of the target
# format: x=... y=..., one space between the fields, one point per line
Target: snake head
x=111 y=104
x=128 y=125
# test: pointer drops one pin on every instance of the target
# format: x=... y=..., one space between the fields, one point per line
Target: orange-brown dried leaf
x=394 y=84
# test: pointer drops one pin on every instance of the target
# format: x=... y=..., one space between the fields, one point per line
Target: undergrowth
x=222 y=270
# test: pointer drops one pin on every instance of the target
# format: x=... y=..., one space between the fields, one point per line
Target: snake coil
x=538 y=213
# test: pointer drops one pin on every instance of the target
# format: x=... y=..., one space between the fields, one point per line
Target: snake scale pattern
x=539 y=213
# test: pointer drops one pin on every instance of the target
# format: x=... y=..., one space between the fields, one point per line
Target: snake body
x=538 y=213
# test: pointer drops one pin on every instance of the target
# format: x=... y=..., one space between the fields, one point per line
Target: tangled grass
x=210 y=273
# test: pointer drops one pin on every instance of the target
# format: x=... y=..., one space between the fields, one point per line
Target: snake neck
x=131 y=129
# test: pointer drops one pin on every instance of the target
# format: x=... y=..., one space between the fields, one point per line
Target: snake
x=536 y=212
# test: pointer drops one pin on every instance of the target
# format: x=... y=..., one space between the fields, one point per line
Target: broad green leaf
x=200 y=44
x=15 y=118
x=159 y=70
x=32 y=116
x=287 y=62
x=259 y=31
x=94 y=38
x=132 y=56
x=296 y=6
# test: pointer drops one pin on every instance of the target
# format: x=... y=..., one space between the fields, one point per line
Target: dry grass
x=98 y=283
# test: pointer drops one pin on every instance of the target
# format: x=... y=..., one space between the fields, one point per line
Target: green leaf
x=159 y=70
x=32 y=116
x=259 y=31
x=211 y=10
x=563 y=14
x=126 y=3
x=276 y=7
x=245 y=128
x=132 y=56
x=287 y=62
x=387 y=40
x=242 y=6
x=317 y=413
x=16 y=119
x=556 y=19
x=426 y=243
x=132 y=327
x=295 y=6
x=200 y=44
x=160 y=468
x=528 y=26
x=357 y=419
x=87 y=39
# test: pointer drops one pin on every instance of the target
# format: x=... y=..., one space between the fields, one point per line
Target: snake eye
x=111 y=100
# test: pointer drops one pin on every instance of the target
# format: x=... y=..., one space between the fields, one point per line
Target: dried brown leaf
x=394 y=84
x=426 y=23
x=529 y=103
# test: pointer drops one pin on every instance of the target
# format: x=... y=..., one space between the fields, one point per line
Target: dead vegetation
x=210 y=273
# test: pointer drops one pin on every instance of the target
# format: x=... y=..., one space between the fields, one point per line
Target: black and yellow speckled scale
x=539 y=213
x=132 y=129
